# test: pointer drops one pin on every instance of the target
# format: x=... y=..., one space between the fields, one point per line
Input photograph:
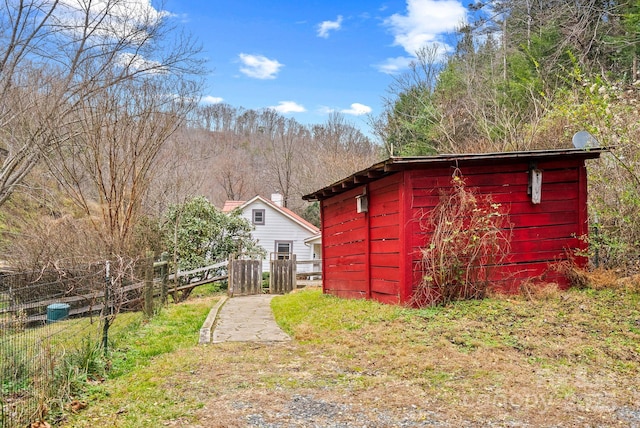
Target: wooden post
x=164 y=275
x=256 y=277
x=240 y=277
x=292 y=274
x=148 y=286
x=232 y=277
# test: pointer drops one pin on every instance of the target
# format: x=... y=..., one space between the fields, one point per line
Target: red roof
x=231 y=205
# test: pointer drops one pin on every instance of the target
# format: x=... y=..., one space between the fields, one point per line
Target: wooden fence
x=156 y=284
x=282 y=279
x=245 y=277
x=313 y=274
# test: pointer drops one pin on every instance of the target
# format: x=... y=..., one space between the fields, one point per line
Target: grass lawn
x=562 y=359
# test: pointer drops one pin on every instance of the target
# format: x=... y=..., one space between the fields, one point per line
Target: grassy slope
x=574 y=354
x=571 y=358
x=141 y=359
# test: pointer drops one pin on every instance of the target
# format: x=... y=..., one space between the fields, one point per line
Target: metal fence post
x=106 y=308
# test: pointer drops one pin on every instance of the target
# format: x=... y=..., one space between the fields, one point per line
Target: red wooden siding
x=386 y=248
x=345 y=247
x=377 y=254
x=540 y=232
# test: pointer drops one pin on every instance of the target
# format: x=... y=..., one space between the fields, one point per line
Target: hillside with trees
x=95 y=154
x=92 y=192
x=102 y=134
x=248 y=152
x=528 y=75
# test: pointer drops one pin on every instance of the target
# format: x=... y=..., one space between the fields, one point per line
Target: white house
x=279 y=230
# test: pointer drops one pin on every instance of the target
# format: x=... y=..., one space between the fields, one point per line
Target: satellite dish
x=584 y=140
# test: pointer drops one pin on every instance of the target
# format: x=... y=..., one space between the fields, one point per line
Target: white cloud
x=259 y=66
x=325 y=26
x=208 y=99
x=357 y=109
x=394 y=65
x=288 y=107
x=425 y=23
x=122 y=19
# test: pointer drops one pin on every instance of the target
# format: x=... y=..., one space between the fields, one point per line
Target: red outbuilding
x=372 y=231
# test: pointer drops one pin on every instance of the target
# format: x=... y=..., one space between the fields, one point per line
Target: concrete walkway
x=245 y=319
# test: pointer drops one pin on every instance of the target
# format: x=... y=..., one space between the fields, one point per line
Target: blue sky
x=308 y=58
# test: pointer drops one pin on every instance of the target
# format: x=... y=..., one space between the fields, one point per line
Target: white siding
x=278 y=227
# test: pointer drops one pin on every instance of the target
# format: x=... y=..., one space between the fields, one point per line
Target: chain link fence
x=55 y=322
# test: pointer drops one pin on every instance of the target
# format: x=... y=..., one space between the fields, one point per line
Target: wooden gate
x=245 y=277
x=282 y=278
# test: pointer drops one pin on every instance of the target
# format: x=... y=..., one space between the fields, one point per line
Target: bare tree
x=260 y=152
x=177 y=175
x=339 y=149
x=113 y=154
x=233 y=175
x=231 y=169
x=411 y=122
x=215 y=118
x=57 y=57
x=283 y=141
x=86 y=95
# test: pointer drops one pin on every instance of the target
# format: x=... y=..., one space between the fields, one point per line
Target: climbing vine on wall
x=469 y=236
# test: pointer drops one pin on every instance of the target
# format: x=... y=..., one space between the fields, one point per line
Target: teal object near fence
x=57 y=312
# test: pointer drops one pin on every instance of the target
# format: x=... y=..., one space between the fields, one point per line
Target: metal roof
x=395 y=164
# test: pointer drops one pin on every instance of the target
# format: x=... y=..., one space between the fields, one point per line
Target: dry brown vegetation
x=469 y=239
x=558 y=359
x=251 y=152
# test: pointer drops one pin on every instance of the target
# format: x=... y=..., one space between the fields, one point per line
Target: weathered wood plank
x=245 y=277
x=282 y=278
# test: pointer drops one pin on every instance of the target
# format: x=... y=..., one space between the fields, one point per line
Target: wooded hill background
x=527 y=77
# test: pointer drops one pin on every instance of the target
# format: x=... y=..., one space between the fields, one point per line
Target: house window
x=257 y=217
x=283 y=249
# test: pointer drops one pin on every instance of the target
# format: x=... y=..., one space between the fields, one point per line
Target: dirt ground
x=292 y=385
